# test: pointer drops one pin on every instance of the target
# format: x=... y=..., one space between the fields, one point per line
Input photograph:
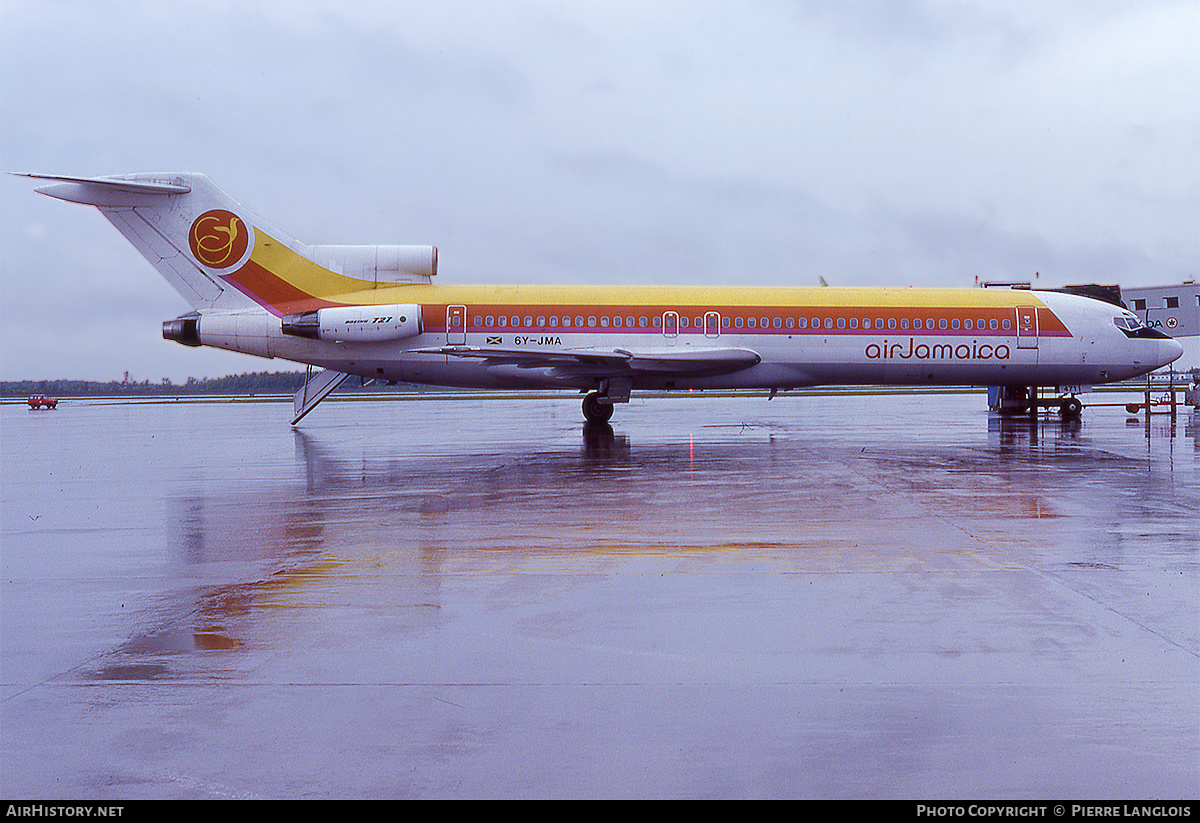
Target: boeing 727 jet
x=374 y=312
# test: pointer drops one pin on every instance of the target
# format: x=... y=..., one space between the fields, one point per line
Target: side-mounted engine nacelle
x=252 y=331
x=356 y=324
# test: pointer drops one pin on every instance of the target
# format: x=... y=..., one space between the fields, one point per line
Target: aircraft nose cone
x=1170 y=350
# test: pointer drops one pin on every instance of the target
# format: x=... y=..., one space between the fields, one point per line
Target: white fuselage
x=833 y=347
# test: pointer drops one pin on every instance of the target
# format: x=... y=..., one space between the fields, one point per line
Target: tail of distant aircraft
x=220 y=255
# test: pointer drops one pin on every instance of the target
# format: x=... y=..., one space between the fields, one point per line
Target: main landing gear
x=596 y=410
x=598 y=405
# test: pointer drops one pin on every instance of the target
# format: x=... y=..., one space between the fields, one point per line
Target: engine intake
x=382 y=264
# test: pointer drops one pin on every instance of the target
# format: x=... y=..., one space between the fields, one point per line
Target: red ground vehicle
x=37 y=401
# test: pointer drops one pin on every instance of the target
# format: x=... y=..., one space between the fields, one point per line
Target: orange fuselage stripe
x=285 y=282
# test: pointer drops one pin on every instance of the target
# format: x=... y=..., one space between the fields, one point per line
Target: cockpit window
x=1131 y=327
x=1127 y=322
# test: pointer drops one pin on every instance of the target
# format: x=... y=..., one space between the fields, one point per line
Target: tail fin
x=219 y=255
x=157 y=214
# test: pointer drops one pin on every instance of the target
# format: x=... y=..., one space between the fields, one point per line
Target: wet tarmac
x=819 y=596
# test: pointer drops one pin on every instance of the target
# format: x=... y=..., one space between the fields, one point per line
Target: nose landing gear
x=1070 y=408
x=1022 y=400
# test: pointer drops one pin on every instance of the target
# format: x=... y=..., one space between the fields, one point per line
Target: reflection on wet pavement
x=820 y=596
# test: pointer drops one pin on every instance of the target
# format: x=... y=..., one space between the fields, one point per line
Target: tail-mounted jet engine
x=356 y=324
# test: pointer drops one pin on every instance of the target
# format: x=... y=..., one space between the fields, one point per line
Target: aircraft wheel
x=594 y=411
x=1071 y=407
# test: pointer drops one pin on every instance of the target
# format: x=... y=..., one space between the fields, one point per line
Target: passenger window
x=942 y=323
x=737 y=322
x=954 y=324
x=802 y=323
x=891 y=322
x=917 y=324
x=904 y=322
x=994 y=325
x=604 y=322
x=841 y=322
x=1172 y=303
x=751 y=323
x=791 y=322
x=777 y=323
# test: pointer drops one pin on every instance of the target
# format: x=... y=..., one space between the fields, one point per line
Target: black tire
x=1071 y=407
x=594 y=411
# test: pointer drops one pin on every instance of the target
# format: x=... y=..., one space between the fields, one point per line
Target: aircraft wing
x=611 y=362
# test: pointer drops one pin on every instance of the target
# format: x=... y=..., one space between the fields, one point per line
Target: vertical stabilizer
x=220 y=255
x=190 y=230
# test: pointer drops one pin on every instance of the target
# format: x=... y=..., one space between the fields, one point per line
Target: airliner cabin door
x=1027 y=327
x=670 y=326
x=712 y=324
x=456 y=325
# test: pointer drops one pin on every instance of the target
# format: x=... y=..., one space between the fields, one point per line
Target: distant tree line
x=242 y=384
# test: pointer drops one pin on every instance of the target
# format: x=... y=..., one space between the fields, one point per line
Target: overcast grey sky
x=868 y=142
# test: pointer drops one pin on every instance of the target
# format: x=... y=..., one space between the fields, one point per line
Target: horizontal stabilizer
x=106 y=191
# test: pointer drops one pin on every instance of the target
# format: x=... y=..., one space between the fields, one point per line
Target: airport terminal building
x=1174 y=310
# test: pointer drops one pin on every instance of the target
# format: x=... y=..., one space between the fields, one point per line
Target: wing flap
x=701 y=361
x=695 y=361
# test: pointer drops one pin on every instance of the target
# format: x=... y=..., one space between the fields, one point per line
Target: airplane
x=374 y=312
